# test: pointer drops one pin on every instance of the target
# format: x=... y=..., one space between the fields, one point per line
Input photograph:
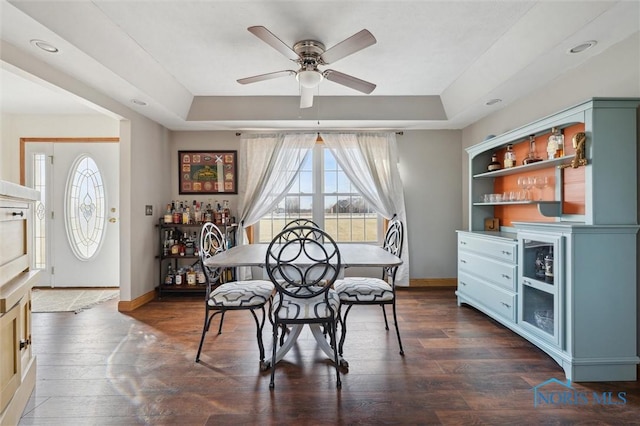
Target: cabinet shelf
x=538 y=285
x=546 y=208
x=525 y=168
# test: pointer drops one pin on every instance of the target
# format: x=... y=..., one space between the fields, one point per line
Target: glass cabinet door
x=540 y=273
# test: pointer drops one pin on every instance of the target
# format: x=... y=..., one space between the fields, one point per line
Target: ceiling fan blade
x=349 y=81
x=348 y=46
x=268 y=37
x=306 y=97
x=268 y=76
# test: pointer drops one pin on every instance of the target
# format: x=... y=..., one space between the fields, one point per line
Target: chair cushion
x=241 y=293
x=313 y=307
x=363 y=289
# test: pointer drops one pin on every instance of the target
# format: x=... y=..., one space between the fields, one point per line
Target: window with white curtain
x=323 y=193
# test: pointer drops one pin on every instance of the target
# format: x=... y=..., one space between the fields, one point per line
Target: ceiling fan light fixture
x=309 y=79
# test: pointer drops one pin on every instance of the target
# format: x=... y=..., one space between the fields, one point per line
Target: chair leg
x=333 y=331
x=273 y=355
x=259 y=326
x=395 y=320
x=343 y=334
x=205 y=328
x=285 y=330
x=386 y=323
x=221 y=319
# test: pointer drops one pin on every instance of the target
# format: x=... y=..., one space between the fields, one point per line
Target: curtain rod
x=399 y=133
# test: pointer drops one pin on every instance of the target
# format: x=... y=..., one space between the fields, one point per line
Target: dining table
x=352 y=255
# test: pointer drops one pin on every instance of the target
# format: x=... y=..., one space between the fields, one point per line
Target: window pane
x=305 y=182
x=330 y=182
x=344 y=184
x=350 y=218
x=40 y=229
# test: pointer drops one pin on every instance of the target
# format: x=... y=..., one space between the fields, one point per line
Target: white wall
x=15 y=127
x=432 y=176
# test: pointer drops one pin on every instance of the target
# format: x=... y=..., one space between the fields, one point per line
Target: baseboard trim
x=433 y=282
x=131 y=305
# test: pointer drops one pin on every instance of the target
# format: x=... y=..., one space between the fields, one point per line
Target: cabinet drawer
x=495 y=299
x=499 y=273
x=503 y=250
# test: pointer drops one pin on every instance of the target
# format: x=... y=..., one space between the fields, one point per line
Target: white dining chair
x=373 y=291
x=303 y=263
x=223 y=296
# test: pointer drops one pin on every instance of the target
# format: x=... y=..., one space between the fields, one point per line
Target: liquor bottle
x=169 y=278
x=183 y=245
x=227 y=212
x=208 y=214
x=189 y=244
x=186 y=216
x=200 y=277
x=177 y=216
x=168 y=216
x=196 y=245
x=166 y=248
x=175 y=247
x=178 y=280
x=494 y=164
x=555 y=146
x=532 y=157
x=191 y=276
x=197 y=215
x=217 y=213
x=509 y=157
x=539 y=265
x=548 y=266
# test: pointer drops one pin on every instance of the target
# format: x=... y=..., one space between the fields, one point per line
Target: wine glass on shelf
x=522 y=184
x=540 y=182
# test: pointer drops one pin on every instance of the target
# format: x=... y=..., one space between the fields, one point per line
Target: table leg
x=316 y=330
x=292 y=337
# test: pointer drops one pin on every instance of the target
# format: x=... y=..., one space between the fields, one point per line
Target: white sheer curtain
x=370 y=161
x=270 y=163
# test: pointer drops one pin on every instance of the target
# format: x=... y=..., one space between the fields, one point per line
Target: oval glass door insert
x=85 y=208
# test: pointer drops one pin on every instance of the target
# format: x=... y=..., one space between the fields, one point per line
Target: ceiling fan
x=309 y=54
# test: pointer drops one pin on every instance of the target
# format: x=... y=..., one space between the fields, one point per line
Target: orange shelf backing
x=573 y=190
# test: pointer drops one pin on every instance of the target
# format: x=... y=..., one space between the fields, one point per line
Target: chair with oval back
x=223 y=296
x=303 y=262
x=373 y=291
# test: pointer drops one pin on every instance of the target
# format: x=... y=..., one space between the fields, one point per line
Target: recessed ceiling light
x=139 y=102
x=47 y=47
x=582 y=46
x=493 y=101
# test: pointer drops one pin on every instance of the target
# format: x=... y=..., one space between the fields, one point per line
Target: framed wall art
x=208 y=172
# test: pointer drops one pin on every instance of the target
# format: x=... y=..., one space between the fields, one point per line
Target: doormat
x=69 y=300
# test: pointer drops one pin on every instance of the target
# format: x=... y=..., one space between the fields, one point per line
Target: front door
x=77 y=224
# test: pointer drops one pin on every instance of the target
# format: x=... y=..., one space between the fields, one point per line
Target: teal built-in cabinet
x=561 y=271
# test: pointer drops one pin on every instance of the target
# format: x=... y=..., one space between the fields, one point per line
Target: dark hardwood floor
x=104 y=367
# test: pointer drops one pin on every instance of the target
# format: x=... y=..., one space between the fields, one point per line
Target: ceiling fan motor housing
x=309 y=52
